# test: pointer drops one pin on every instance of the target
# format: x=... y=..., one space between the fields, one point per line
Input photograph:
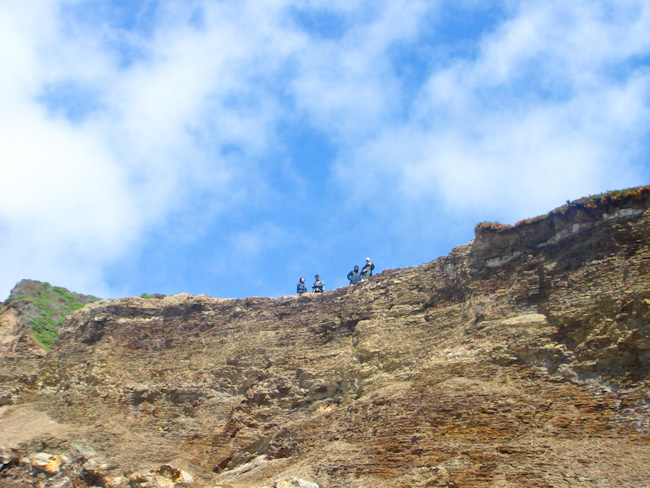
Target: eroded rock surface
x=519 y=360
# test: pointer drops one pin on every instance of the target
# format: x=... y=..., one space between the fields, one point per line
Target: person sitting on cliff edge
x=366 y=271
x=354 y=276
x=318 y=286
x=301 y=288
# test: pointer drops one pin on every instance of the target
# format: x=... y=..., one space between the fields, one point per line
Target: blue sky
x=228 y=148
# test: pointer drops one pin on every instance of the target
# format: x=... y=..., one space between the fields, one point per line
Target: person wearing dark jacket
x=354 y=276
x=366 y=271
x=302 y=288
x=318 y=286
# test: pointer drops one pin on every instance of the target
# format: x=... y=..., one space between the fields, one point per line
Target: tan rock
x=64 y=482
x=47 y=463
x=7 y=455
x=294 y=483
x=519 y=359
x=169 y=476
x=116 y=482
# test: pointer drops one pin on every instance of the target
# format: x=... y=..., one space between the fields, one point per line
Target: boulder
x=47 y=463
x=165 y=476
x=294 y=483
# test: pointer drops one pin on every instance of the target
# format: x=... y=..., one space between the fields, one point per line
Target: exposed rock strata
x=30 y=302
x=518 y=360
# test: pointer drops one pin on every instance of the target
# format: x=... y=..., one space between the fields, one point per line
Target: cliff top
x=521 y=359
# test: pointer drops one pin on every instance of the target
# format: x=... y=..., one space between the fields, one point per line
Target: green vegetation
x=48 y=306
x=155 y=295
x=493 y=226
x=592 y=202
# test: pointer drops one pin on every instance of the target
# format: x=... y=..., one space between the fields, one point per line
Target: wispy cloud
x=185 y=117
x=122 y=121
x=552 y=106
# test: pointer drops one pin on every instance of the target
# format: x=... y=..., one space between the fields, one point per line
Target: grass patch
x=48 y=307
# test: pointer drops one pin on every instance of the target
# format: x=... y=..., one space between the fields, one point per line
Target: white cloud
x=553 y=107
x=348 y=85
x=83 y=192
x=252 y=242
x=63 y=198
x=190 y=120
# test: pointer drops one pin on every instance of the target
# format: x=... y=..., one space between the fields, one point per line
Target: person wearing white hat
x=366 y=271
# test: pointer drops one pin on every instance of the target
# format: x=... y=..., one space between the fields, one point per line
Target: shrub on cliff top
x=155 y=295
x=592 y=202
x=48 y=306
x=490 y=226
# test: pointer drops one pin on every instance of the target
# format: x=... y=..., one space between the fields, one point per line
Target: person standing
x=318 y=286
x=301 y=288
x=354 y=276
x=366 y=271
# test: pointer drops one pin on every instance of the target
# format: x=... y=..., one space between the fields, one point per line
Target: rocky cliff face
x=519 y=360
x=29 y=321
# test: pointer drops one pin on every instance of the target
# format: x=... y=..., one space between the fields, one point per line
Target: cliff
x=30 y=320
x=518 y=360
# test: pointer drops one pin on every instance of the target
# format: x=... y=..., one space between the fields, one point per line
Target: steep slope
x=519 y=360
x=29 y=322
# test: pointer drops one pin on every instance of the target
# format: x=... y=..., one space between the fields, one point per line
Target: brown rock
x=520 y=359
x=47 y=463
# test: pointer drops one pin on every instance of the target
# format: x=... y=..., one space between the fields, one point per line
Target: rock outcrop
x=29 y=322
x=521 y=359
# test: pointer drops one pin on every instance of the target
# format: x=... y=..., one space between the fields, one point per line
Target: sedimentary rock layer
x=518 y=360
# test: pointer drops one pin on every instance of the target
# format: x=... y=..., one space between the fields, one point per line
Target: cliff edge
x=521 y=359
